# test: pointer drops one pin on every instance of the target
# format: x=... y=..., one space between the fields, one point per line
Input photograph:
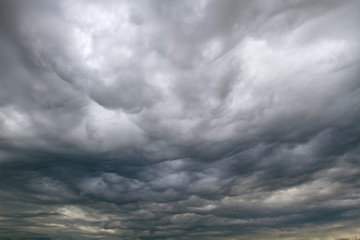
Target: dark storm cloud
x=179 y=120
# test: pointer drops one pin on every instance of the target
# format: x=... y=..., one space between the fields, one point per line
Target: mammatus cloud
x=179 y=120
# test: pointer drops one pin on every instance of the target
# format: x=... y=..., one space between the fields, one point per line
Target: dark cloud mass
x=179 y=119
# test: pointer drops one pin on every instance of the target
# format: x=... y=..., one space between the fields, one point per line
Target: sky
x=194 y=119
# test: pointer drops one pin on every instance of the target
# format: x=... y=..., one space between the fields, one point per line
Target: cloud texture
x=179 y=119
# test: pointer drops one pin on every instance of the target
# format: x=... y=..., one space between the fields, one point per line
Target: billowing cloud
x=179 y=120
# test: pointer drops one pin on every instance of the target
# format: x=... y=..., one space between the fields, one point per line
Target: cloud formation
x=179 y=120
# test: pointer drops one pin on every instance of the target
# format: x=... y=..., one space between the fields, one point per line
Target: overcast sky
x=162 y=119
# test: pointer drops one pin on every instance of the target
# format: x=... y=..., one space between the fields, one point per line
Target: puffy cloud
x=165 y=119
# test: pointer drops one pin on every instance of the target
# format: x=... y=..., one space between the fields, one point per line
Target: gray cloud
x=179 y=120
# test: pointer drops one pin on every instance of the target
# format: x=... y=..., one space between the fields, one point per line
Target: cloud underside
x=179 y=120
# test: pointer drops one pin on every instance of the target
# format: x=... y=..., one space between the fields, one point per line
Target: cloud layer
x=179 y=120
